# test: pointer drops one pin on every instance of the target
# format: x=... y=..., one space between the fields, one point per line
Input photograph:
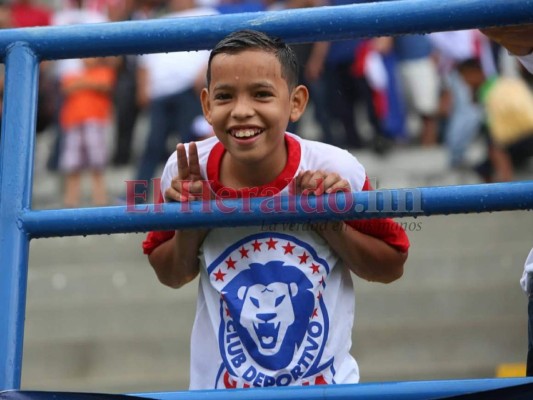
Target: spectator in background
x=464 y=113
x=344 y=91
x=85 y=117
x=28 y=13
x=509 y=108
x=311 y=61
x=518 y=40
x=169 y=84
x=5 y=22
x=127 y=108
x=5 y=15
x=420 y=83
x=72 y=12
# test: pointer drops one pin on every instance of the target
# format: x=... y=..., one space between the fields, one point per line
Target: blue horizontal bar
x=299 y=25
x=379 y=203
x=418 y=390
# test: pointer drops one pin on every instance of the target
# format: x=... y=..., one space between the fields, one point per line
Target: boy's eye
x=222 y=96
x=263 y=94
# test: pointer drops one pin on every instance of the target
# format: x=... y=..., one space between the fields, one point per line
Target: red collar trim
x=294 y=152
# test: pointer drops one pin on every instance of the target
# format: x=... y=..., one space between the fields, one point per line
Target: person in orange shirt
x=85 y=117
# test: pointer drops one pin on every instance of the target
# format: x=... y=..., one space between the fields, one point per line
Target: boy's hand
x=517 y=39
x=188 y=185
x=320 y=182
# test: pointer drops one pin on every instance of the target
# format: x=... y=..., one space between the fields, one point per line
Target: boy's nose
x=242 y=109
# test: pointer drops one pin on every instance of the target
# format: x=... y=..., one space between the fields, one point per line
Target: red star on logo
x=321 y=282
x=257 y=245
x=303 y=258
x=244 y=252
x=271 y=243
x=231 y=263
x=315 y=268
x=228 y=313
x=288 y=248
x=315 y=313
x=319 y=295
x=219 y=276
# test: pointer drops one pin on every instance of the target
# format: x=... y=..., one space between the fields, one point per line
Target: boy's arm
x=174 y=255
x=367 y=256
x=175 y=261
x=517 y=39
x=374 y=249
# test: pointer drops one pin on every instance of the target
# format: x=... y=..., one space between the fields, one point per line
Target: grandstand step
x=148 y=364
x=430 y=350
x=400 y=352
x=94 y=318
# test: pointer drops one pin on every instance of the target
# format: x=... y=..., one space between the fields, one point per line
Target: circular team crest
x=274 y=322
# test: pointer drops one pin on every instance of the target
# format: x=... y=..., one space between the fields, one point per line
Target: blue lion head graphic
x=271 y=305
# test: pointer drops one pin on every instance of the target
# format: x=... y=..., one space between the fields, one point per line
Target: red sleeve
x=156 y=238
x=385 y=229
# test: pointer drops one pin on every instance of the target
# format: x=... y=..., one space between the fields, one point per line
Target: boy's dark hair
x=248 y=39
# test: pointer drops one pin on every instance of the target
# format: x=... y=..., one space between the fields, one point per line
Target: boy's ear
x=299 y=99
x=206 y=104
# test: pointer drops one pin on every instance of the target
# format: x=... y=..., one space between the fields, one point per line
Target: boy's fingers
x=339 y=186
x=195 y=187
x=172 y=195
x=331 y=181
x=306 y=181
x=194 y=163
x=316 y=182
x=183 y=163
x=298 y=183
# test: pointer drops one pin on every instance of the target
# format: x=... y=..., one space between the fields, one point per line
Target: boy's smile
x=249 y=105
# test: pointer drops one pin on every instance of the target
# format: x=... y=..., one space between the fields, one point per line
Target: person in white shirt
x=168 y=85
x=518 y=40
x=276 y=302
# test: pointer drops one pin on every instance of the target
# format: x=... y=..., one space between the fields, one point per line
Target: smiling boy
x=275 y=307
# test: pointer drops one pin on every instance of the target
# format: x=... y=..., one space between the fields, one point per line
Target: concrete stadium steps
x=98 y=319
x=385 y=353
x=151 y=363
x=447 y=350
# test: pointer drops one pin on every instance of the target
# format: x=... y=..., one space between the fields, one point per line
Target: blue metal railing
x=23 y=49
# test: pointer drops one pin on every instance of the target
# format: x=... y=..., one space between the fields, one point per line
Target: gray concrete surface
x=98 y=320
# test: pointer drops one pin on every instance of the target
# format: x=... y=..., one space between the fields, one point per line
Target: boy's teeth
x=244 y=133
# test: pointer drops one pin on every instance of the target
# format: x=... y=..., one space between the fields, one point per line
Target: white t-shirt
x=175 y=72
x=528 y=269
x=275 y=305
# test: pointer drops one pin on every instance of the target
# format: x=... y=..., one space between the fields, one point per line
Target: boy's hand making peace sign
x=189 y=184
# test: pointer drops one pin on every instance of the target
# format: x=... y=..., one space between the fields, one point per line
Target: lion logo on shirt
x=267 y=313
x=270 y=305
x=274 y=322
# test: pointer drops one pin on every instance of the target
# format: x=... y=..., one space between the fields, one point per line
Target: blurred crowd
x=447 y=89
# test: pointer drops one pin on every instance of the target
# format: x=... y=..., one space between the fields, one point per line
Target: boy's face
x=249 y=105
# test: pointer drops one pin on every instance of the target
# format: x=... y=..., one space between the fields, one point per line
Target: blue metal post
x=16 y=169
